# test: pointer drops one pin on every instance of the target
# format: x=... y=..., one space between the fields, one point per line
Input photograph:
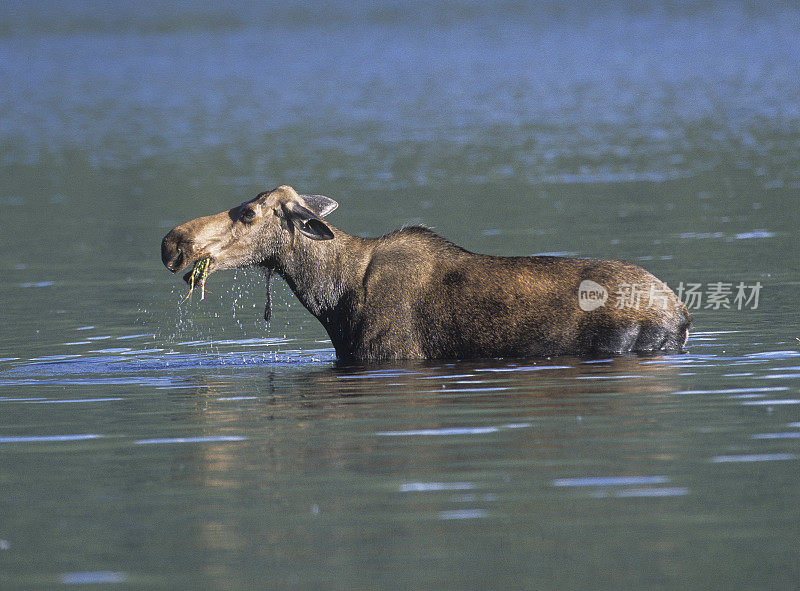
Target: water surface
x=151 y=444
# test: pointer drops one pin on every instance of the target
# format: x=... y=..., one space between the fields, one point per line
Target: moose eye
x=247 y=214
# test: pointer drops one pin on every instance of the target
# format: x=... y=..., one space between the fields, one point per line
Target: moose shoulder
x=414 y=295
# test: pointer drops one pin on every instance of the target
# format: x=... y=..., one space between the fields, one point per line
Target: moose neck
x=320 y=272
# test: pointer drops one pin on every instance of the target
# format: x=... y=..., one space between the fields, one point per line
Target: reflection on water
x=320 y=462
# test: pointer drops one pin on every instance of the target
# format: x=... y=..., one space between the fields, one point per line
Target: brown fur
x=414 y=295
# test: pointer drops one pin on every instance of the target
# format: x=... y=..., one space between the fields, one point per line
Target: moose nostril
x=177 y=261
x=172 y=254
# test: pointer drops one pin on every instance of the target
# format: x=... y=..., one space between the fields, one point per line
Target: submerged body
x=414 y=295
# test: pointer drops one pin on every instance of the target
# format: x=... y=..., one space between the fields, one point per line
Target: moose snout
x=174 y=250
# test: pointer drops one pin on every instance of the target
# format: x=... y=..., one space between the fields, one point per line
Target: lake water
x=150 y=445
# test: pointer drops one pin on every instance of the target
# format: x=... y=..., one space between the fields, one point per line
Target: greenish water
x=150 y=445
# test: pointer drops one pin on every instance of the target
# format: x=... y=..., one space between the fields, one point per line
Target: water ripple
x=205 y=439
x=452 y=431
x=93 y=577
x=609 y=481
x=435 y=486
x=49 y=438
x=748 y=458
x=462 y=514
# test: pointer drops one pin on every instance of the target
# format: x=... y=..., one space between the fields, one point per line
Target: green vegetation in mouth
x=198 y=276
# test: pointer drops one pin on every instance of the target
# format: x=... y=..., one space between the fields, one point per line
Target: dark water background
x=146 y=445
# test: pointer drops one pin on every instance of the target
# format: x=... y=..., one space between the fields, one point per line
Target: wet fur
x=422 y=297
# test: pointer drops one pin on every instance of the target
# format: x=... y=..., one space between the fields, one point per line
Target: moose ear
x=307 y=222
x=319 y=204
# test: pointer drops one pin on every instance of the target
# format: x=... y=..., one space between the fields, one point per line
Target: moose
x=412 y=294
